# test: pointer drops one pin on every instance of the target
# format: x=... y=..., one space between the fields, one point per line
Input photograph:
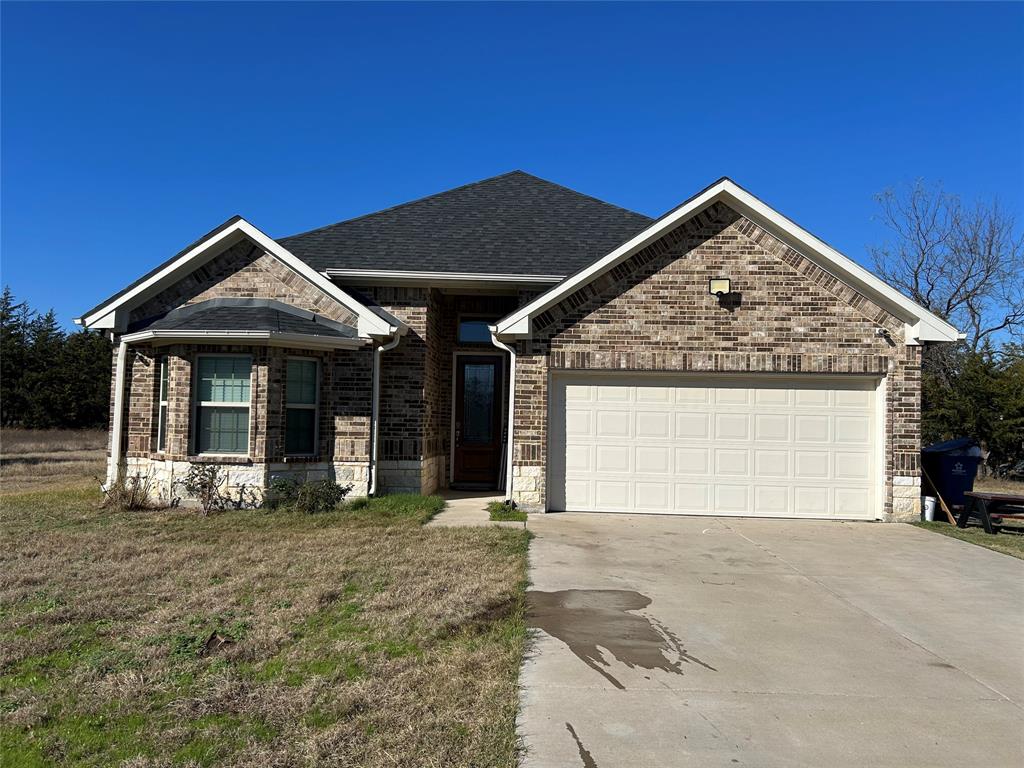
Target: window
x=222 y=404
x=161 y=429
x=301 y=407
x=474 y=332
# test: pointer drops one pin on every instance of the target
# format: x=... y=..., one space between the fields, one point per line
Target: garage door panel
x=783 y=447
x=654 y=459
x=655 y=425
x=693 y=426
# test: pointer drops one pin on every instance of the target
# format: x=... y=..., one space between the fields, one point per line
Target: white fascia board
x=406 y=277
x=370 y=324
x=271 y=338
x=930 y=326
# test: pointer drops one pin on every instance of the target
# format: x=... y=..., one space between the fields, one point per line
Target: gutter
x=511 y=407
x=114 y=462
x=378 y=353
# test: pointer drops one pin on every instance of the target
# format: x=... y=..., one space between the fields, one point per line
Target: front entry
x=477 y=417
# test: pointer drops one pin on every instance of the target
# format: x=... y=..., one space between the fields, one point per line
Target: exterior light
x=718 y=286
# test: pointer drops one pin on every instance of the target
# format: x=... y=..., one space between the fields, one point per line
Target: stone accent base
x=248 y=479
x=433 y=478
x=528 y=487
x=906 y=500
x=399 y=477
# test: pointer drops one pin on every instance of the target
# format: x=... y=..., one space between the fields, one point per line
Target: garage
x=762 y=446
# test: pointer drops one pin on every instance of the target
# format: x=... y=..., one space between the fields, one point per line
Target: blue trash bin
x=952 y=468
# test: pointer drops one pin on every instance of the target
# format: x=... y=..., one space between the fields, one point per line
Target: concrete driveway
x=672 y=641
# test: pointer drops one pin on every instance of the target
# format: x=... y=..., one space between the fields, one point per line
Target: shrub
x=206 y=484
x=506 y=510
x=281 y=491
x=130 y=493
x=320 y=496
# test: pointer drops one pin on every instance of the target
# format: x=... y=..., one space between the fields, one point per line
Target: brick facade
x=653 y=313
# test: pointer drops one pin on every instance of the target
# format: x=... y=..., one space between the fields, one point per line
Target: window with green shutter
x=222 y=404
x=301 y=412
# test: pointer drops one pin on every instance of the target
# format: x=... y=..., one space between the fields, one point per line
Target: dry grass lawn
x=355 y=638
x=51 y=459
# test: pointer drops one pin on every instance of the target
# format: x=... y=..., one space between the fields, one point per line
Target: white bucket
x=928 y=505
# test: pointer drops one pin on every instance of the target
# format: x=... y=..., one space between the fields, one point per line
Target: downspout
x=115 y=438
x=375 y=408
x=511 y=408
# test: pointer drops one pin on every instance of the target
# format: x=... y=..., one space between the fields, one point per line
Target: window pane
x=301 y=386
x=223 y=430
x=300 y=431
x=224 y=379
x=164 y=375
x=161 y=440
x=477 y=403
x=474 y=331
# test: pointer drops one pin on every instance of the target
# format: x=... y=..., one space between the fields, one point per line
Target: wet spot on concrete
x=588 y=620
x=585 y=756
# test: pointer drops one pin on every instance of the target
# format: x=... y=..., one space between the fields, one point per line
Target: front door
x=477 y=415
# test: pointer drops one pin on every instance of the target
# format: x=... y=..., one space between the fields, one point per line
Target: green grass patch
x=1010 y=541
x=504 y=511
x=257 y=636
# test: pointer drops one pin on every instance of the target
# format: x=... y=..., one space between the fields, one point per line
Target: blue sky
x=130 y=129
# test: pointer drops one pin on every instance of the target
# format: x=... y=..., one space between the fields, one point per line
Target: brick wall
x=653 y=312
x=244 y=271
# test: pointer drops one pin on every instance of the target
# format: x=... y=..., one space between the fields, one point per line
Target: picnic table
x=990 y=506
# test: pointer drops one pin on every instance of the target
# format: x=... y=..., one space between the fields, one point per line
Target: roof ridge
x=516 y=172
x=395 y=207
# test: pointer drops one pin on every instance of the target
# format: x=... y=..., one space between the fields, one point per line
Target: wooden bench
x=989 y=506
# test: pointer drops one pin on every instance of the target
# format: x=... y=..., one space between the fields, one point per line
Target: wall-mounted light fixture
x=719 y=286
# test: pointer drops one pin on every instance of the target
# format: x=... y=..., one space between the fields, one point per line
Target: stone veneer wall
x=653 y=313
x=344 y=423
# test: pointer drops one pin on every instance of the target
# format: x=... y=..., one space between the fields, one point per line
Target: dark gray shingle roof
x=510 y=224
x=247 y=315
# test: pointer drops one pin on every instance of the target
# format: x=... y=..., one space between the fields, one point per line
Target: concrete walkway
x=674 y=641
x=468 y=509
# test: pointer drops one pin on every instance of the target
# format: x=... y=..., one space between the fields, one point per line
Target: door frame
x=500 y=390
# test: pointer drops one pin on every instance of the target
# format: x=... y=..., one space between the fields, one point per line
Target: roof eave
x=922 y=324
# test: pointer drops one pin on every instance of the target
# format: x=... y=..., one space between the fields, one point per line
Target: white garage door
x=715 y=445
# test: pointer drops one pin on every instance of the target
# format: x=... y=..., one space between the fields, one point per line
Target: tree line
x=965 y=263
x=50 y=379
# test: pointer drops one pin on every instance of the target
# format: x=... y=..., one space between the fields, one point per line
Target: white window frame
x=315 y=407
x=198 y=404
x=163 y=404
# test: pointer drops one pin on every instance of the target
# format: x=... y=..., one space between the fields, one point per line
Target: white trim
x=270 y=338
x=117 y=426
x=378 y=354
x=511 y=411
x=112 y=313
x=924 y=325
x=407 y=277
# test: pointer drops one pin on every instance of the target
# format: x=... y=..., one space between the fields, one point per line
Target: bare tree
x=964 y=263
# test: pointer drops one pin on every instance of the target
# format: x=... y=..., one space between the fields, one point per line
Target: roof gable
x=112 y=314
x=513 y=224
x=921 y=324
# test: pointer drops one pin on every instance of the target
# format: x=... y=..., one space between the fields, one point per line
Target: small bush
x=506 y=510
x=129 y=493
x=320 y=496
x=206 y=483
x=282 y=491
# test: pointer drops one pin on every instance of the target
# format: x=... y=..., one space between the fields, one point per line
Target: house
x=513 y=334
